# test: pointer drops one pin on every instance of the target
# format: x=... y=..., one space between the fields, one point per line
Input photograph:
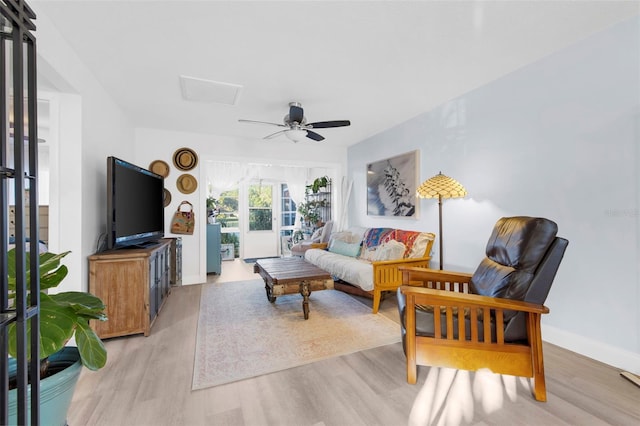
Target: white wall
x=90 y=126
x=155 y=144
x=558 y=139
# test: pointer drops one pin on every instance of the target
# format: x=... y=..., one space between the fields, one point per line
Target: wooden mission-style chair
x=489 y=319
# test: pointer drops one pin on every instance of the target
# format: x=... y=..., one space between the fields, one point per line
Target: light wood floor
x=147 y=381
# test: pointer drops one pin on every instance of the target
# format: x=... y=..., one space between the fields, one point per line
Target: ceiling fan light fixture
x=296 y=135
x=297 y=127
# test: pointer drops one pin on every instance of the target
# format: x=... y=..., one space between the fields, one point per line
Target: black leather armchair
x=490 y=319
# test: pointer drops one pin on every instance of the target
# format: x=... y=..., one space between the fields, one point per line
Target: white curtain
x=296 y=179
x=224 y=176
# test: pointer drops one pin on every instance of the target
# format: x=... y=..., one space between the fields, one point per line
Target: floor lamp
x=441 y=186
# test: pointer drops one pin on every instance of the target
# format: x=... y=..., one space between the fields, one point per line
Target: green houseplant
x=309 y=211
x=212 y=207
x=62 y=316
x=320 y=182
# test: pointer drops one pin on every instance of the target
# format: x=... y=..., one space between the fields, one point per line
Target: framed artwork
x=391 y=186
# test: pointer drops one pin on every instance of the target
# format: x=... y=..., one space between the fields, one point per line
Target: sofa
x=368 y=259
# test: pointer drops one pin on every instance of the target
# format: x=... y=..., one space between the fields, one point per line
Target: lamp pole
x=440 y=229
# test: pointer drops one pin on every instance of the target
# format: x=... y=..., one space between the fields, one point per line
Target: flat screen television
x=135 y=205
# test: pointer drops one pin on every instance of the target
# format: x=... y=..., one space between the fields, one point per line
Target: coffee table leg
x=305 y=292
x=269 y=291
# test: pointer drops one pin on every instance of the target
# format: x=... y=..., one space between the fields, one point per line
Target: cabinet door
x=178 y=278
x=163 y=273
x=153 y=287
x=175 y=262
x=214 y=263
x=122 y=286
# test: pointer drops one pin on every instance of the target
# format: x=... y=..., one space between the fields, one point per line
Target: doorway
x=261 y=233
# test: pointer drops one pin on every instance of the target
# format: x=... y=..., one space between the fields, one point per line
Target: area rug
x=241 y=335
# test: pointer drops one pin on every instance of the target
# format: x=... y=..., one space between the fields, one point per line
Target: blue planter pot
x=56 y=391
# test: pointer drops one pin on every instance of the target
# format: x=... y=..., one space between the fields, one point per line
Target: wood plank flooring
x=147 y=381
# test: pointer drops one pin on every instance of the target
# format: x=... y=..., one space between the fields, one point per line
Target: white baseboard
x=614 y=356
x=631 y=377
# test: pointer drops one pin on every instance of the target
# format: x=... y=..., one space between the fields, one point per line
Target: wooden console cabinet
x=175 y=261
x=133 y=284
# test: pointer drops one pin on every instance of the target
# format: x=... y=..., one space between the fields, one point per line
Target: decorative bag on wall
x=183 y=221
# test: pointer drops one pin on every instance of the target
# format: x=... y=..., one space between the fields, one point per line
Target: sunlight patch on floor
x=448 y=396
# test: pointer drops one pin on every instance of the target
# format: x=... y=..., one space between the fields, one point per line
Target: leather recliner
x=490 y=318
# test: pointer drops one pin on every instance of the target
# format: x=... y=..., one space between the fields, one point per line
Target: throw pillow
x=368 y=254
x=389 y=250
x=345 y=249
x=420 y=245
x=346 y=237
x=315 y=237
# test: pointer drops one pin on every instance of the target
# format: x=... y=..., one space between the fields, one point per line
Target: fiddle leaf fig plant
x=62 y=315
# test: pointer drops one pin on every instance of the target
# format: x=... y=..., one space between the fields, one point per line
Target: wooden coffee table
x=288 y=275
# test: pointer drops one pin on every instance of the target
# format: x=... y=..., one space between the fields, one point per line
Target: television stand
x=134 y=284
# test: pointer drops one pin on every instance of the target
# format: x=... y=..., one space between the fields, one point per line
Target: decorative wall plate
x=159 y=167
x=185 y=159
x=187 y=183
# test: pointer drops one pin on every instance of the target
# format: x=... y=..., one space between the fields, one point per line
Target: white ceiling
x=374 y=63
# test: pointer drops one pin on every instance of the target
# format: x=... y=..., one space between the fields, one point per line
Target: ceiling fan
x=296 y=126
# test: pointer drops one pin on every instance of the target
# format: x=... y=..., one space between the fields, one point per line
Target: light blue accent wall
x=559 y=139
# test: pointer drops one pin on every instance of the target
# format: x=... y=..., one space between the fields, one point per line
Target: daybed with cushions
x=369 y=258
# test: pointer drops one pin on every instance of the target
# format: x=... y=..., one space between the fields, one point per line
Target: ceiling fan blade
x=314 y=136
x=296 y=114
x=261 y=122
x=275 y=135
x=328 y=124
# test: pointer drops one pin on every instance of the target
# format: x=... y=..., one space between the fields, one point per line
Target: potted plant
x=309 y=211
x=62 y=316
x=320 y=182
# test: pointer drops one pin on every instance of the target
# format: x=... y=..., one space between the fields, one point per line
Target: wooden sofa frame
x=387 y=276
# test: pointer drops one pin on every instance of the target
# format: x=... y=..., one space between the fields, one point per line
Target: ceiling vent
x=201 y=90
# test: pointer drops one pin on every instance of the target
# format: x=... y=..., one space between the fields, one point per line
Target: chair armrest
x=432 y=278
x=399 y=262
x=428 y=296
x=387 y=275
x=449 y=306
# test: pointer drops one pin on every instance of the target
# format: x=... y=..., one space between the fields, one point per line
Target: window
x=260 y=207
x=228 y=218
x=228 y=209
x=288 y=209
